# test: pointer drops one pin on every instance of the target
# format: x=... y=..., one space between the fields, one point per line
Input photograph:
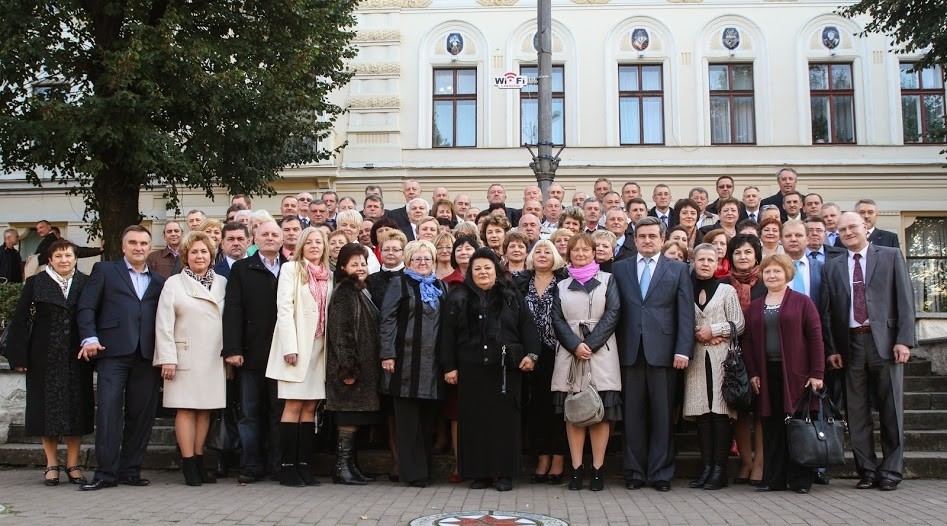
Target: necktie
x=859 y=304
x=645 y=277
x=798 y=282
x=831 y=238
x=664 y=219
x=814 y=256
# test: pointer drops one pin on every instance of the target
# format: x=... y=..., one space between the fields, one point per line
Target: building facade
x=672 y=91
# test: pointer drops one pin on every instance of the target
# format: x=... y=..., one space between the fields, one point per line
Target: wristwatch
x=532 y=356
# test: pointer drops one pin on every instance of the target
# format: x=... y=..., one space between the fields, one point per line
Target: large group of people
x=439 y=315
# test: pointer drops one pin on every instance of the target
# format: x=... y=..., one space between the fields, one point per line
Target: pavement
x=25 y=501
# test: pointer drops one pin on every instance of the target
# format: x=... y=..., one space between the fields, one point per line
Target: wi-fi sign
x=510 y=80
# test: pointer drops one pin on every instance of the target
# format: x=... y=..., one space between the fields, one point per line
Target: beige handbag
x=584 y=407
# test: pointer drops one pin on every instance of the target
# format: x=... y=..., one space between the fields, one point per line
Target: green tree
x=914 y=25
x=110 y=97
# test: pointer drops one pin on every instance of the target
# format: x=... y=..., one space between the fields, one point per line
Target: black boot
x=705 y=438
x=289 y=443
x=189 y=468
x=343 y=461
x=367 y=477
x=721 y=452
x=598 y=480
x=575 y=483
x=206 y=478
x=307 y=435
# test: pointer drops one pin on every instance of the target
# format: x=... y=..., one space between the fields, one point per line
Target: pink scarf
x=319 y=288
x=584 y=274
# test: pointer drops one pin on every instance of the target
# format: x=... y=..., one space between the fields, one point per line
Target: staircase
x=925 y=422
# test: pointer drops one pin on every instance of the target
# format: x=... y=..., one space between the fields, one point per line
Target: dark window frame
x=832 y=93
x=453 y=98
x=640 y=95
x=732 y=94
x=923 y=92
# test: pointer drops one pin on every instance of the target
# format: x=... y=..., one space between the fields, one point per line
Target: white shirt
x=754 y=215
x=852 y=324
x=820 y=252
x=272 y=267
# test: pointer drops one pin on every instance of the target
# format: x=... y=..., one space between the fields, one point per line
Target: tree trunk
x=117 y=198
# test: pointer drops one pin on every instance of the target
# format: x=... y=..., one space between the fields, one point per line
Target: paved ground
x=168 y=500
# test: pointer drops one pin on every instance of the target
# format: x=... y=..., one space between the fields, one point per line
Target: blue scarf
x=429 y=291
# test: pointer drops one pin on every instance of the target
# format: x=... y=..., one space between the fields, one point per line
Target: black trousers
x=415 y=422
x=778 y=470
x=127 y=395
x=648 y=418
x=260 y=412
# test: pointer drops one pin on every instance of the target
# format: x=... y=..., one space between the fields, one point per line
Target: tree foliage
x=914 y=25
x=110 y=97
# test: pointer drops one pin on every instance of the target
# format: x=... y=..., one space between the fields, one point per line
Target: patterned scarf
x=63 y=282
x=319 y=288
x=584 y=274
x=743 y=281
x=429 y=291
x=207 y=279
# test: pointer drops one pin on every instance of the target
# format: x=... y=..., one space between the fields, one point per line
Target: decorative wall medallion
x=455 y=43
x=830 y=37
x=640 y=39
x=731 y=38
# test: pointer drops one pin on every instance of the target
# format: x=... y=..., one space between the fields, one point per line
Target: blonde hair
x=780 y=260
x=557 y=261
x=349 y=215
x=467 y=228
x=393 y=235
x=605 y=235
x=197 y=236
x=298 y=255
x=211 y=223
x=561 y=232
x=418 y=245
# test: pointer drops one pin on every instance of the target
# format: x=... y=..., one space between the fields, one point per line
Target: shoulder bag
x=736 y=383
x=816 y=443
x=583 y=408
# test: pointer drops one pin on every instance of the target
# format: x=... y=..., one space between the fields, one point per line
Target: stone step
x=918 y=464
x=921 y=419
x=925 y=384
x=925 y=401
x=917 y=367
x=161 y=435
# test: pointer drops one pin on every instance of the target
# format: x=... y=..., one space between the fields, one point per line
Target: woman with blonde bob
x=188 y=341
x=349 y=222
x=297 y=356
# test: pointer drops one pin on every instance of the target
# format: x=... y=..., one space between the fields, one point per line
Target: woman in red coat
x=782 y=345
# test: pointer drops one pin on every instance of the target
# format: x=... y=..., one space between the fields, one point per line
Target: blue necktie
x=798 y=283
x=645 y=277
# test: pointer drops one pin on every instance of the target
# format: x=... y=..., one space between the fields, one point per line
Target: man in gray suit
x=655 y=340
x=868 y=325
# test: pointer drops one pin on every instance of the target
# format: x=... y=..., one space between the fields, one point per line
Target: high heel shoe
x=76 y=480
x=598 y=480
x=575 y=483
x=55 y=481
x=538 y=478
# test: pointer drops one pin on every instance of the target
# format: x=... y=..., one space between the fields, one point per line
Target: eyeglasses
x=420 y=259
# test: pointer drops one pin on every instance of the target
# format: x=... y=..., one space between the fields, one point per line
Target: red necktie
x=859 y=305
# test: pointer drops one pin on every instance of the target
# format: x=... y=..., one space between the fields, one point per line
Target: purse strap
x=734 y=338
x=574 y=374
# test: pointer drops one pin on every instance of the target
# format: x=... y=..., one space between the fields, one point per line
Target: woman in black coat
x=59 y=397
x=352 y=359
x=488 y=340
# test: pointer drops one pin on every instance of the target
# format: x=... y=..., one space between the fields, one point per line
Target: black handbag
x=736 y=382
x=816 y=443
x=224 y=435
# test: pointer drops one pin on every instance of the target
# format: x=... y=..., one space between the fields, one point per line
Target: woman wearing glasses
x=410 y=318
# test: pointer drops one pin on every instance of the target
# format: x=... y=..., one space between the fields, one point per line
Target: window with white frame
x=455 y=107
x=922 y=104
x=832 y=101
x=641 y=104
x=732 y=109
x=529 y=107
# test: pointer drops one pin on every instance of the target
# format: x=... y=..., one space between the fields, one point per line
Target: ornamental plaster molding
x=496 y=3
x=362 y=102
x=590 y=1
x=393 y=4
x=377 y=68
x=378 y=35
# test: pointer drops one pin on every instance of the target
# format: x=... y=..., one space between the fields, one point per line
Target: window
x=922 y=104
x=927 y=263
x=832 y=98
x=641 y=104
x=529 y=107
x=732 y=112
x=455 y=107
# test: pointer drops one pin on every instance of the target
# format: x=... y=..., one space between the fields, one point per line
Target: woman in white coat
x=188 y=341
x=297 y=356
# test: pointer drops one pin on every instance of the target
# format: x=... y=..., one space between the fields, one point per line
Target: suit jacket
x=250 y=312
x=888 y=293
x=400 y=216
x=884 y=238
x=627 y=250
x=164 y=262
x=222 y=268
x=663 y=320
x=672 y=216
x=815 y=281
x=109 y=309
x=775 y=199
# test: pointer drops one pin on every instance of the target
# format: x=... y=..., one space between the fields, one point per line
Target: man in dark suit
x=235 y=242
x=724 y=186
x=662 y=208
x=808 y=278
x=655 y=341
x=876 y=236
x=616 y=222
x=816 y=248
x=868 y=325
x=116 y=318
x=787 y=178
x=248 y=322
x=373 y=208
x=411 y=190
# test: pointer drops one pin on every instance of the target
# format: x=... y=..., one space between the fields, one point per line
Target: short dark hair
x=289 y=219
x=373 y=197
x=801 y=197
x=635 y=201
x=232 y=226
x=748 y=223
x=462 y=240
x=649 y=221
x=721 y=178
x=745 y=239
x=346 y=253
x=815 y=219
x=135 y=228
x=487 y=253
x=60 y=244
x=383 y=221
x=234 y=208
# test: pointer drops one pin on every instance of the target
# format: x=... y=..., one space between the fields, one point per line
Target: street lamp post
x=544 y=164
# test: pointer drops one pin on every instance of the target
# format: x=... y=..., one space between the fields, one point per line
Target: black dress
x=59 y=394
x=475 y=327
